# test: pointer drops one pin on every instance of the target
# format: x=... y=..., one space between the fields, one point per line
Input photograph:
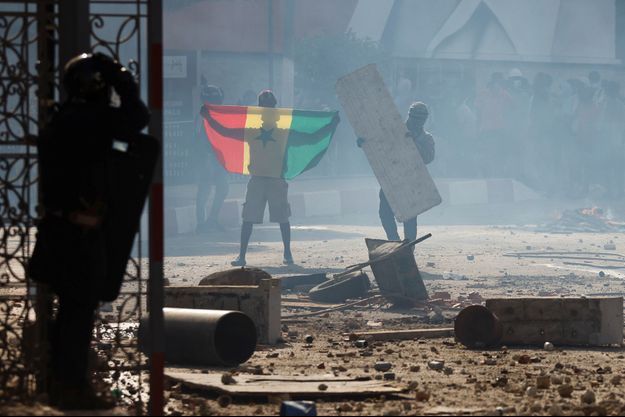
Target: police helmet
x=88 y=76
x=211 y=94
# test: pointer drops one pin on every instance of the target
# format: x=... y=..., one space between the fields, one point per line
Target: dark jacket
x=74 y=155
x=73 y=150
x=425 y=145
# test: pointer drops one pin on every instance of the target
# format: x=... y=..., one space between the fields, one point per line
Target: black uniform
x=75 y=168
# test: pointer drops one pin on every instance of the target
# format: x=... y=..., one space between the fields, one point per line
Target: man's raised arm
x=235 y=133
x=297 y=138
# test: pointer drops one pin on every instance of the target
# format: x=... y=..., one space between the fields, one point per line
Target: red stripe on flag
x=229 y=149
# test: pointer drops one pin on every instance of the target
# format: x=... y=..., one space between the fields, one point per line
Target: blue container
x=298 y=408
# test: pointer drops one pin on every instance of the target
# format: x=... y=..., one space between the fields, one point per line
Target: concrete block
x=323 y=203
x=230 y=214
x=359 y=201
x=171 y=224
x=298 y=205
x=186 y=219
x=523 y=193
x=443 y=190
x=262 y=303
x=561 y=321
x=468 y=192
x=500 y=191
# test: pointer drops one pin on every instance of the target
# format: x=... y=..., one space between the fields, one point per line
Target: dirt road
x=459 y=260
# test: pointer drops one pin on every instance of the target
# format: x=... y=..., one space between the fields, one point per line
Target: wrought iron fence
x=118 y=28
x=29 y=74
x=27 y=30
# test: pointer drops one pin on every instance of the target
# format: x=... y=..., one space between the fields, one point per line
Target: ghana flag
x=268 y=142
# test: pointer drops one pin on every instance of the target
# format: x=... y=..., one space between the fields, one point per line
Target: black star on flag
x=265 y=136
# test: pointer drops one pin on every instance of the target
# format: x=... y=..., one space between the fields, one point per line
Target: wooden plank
x=451 y=411
x=307 y=305
x=330 y=310
x=404 y=334
x=292 y=282
x=296 y=386
x=394 y=158
x=588 y=321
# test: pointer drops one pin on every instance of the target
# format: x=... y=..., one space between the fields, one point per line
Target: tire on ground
x=354 y=285
x=236 y=276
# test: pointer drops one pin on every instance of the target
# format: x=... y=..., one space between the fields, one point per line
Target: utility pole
x=270 y=41
x=156 y=234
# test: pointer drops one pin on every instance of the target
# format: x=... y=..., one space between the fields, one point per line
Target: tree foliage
x=321 y=60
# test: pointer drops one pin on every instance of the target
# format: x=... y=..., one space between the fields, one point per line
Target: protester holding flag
x=272 y=145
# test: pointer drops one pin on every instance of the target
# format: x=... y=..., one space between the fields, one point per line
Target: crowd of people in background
x=561 y=137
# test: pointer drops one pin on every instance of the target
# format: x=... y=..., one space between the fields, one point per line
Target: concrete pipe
x=477 y=327
x=205 y=337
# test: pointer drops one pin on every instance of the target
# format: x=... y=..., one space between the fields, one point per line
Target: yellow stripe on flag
x=266 y=135
x=253 y=122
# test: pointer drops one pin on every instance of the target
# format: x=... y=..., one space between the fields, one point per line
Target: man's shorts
x=262 y=191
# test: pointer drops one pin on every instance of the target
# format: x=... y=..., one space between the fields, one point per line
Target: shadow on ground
x=295 y=270
x=227 y=242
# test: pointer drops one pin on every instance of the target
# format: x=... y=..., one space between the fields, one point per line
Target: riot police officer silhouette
x=81 y=251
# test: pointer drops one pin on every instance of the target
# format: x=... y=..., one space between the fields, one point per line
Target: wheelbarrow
x=394 y=269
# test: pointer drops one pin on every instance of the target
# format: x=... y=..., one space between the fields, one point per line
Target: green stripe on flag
x=305 y=146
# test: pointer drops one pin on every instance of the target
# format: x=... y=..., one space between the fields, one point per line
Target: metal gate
x=35 y=38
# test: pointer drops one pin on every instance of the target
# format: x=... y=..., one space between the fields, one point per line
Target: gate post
x=156 y=234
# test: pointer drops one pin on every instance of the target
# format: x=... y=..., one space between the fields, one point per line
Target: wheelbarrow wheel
x=354 y=285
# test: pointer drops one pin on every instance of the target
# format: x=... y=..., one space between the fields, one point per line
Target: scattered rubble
x=543 y=382
x=382 y=366
x=436 y=365
x=224 y=401
x=501 y=381
x=565 y=390
x=228 y=379
x=588 y=397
